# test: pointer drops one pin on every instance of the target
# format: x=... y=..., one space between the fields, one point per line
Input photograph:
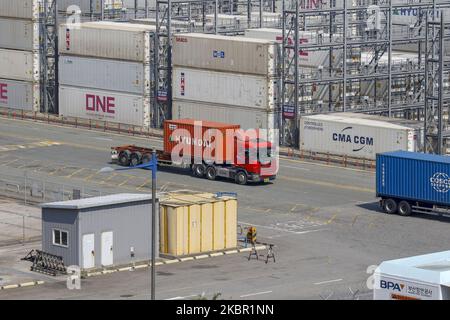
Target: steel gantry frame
x=49 y=56
x=437 y=97
x=369 y=30
x=194 y=13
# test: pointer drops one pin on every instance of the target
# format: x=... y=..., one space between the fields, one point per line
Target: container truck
x=409 y=182
x=210 y=150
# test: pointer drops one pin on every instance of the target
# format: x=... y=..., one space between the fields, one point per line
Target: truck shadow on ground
x=374 y=208
x=188 y=173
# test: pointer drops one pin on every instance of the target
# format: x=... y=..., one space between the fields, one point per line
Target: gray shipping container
x=225 y=53
x=110 y=75
x=24 y=9
x=19 y=65
x=19 y=34
x=247 y=118
x=19 y=95
x=100 y=231
x=110 y=40
x=109 y=106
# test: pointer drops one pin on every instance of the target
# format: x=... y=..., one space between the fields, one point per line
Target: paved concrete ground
x=15 y=271
x=323 y=220
x=18 y=223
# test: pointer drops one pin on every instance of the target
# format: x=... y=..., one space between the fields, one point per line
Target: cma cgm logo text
x=100 y=104
x=3 y=91
x=391 y=285
x=440 y=182
x=346 y=137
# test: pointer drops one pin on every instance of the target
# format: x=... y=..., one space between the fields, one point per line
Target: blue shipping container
x=414 y=176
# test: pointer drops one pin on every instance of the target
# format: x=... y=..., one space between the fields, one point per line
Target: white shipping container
x=306 y=58
x=112 y=40
x=102 y=105
x=247 y=118
x=225 y=53
x=103 y=74
x=23 y=9
x=19 y=65
x=19 y=34
x=224 y=88
x=19 y=95
x=355 y=136
x=129 y=4
x=85 y=5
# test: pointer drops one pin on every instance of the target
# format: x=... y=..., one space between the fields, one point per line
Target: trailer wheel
x=198 y=170
x=404 y=208
x=241 y=178
x=124 y=158
x=211 y=173
x=390 y=206
x=135 y=159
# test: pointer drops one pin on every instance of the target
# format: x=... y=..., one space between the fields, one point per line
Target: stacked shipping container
x=105 y=72
x=358 y=135
x=220 y=78
x=19 y=54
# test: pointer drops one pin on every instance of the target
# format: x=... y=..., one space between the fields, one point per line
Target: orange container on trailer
x=190 y=137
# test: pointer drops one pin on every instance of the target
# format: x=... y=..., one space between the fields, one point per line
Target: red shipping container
x=189 y=137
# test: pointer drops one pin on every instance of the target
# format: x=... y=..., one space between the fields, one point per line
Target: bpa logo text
x=391 y=285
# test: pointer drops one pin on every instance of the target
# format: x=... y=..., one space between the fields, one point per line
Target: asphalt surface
x=323 y=220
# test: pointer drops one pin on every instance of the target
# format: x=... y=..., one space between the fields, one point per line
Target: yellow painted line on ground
x=203 y=256
x=11 y=286
x=125 y=269
x=75 y=172
x=328 y=184
x=217 y=254
x=56 y=170
x=12 y=161
x=332 y=218
x=29 y=164
x=125 y=182
x=28 y=284
x=90 y=176
x=186 y=259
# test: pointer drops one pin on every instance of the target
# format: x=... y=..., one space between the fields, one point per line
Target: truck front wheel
x=404 y=208
x=241 y=178
x=390 y=206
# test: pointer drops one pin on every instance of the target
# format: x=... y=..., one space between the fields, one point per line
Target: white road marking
x=280 y=229
x=297 y=168
x=181 y=298
x=328 y=281
x=104 y=139
x=254 y=294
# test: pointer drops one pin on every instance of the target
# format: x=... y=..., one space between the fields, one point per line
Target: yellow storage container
x=197 y=222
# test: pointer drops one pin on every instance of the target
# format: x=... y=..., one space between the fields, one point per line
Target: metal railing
x=36 y=190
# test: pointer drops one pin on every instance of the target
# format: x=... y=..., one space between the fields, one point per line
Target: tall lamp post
x=153 y=166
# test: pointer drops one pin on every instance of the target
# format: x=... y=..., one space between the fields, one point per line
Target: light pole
x=153 y=166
